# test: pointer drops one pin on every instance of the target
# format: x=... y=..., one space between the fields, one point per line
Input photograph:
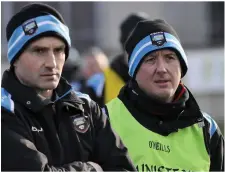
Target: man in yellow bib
x=156 y=116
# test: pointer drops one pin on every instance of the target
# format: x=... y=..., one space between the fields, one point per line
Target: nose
x=50 y=60
x=161 y=65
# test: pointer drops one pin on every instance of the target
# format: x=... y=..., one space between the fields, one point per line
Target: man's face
x=40 y=65
x=159 y=74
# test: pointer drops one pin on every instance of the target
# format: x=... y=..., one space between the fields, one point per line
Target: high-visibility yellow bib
x=184 y=150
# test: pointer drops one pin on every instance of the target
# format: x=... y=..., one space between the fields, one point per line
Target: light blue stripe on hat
x=145 y=46
x=44 y=23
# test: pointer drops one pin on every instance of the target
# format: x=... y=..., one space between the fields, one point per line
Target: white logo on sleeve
x=36 y=129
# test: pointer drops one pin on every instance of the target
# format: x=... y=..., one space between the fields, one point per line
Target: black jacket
x=166 y=118
x=67 y=134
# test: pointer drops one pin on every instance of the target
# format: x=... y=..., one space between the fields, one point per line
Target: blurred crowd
x=94 y=73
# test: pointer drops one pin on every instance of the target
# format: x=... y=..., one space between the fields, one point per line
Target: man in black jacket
x=167 y=125
x=46 y=126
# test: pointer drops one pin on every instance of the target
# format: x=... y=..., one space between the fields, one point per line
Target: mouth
x=162 y=83
x=49 y=75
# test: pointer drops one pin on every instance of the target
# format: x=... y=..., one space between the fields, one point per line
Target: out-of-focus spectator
x=71 y=70
x=94 y=63
x=116 y=75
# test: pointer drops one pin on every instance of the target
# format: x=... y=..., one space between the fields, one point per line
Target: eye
x=60 y=50
x=39 y=51
x=150 y=59
x=171 y=57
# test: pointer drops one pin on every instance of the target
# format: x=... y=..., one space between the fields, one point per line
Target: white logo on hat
x=30 y=27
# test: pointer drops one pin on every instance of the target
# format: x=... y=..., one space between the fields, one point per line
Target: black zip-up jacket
x=68 y=134
x=166 y=118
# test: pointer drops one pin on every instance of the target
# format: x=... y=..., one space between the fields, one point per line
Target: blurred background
x=200 y=26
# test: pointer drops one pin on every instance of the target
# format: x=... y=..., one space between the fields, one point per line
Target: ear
x=15 y=63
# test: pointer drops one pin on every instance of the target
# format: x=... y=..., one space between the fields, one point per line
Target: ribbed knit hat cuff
x=153 y=42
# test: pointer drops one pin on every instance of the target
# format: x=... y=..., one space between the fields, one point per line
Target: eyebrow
x=60 y=47
x=172 y=53
x=166 y=54
x=44 y=47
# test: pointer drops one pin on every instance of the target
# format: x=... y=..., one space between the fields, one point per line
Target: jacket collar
x=162 y=118
x=28 y=97
x=151 y=106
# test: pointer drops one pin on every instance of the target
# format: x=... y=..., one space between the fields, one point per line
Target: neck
x=161 y=99
x=45 y=93
x=157 y=106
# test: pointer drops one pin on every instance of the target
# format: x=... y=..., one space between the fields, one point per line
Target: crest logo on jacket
x=81 y=123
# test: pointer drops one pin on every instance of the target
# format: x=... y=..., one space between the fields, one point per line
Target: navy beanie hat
x=149 y=36
x=32 y=22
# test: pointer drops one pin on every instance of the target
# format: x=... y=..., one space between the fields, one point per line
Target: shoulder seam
x=212 y=124
x=82 y=95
